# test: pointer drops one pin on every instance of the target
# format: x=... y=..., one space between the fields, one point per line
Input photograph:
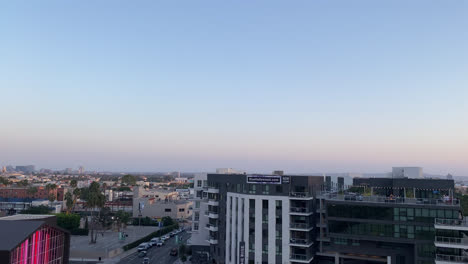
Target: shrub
x=79 y=232
x=68 y=221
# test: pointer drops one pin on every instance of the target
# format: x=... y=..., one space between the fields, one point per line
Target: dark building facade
x=310 y=219
x=31 y=239
x=384 y=220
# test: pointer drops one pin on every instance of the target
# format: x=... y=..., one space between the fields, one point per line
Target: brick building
x=24 y=193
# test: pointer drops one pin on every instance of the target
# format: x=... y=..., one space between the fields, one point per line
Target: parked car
x=160 y=243
x=173 y=252
x=146 y=261
x=142 y=254
x=166 y=237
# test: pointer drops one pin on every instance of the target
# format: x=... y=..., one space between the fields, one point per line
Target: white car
x=143 y=246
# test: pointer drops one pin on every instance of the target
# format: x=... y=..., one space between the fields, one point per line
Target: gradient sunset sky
x=303 y=86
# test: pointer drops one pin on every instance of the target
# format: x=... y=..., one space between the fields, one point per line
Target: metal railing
x=387 y=199
x=301 y=225
x=299 y=257
x=451 y=240
x=452 y=222
x=300 y=210
x=301 y=194
x=452 y=258
x=300 y=241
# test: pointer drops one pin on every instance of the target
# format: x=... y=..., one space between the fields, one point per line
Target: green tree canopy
x=129 y=179
x=68 y=221
x=41 y=209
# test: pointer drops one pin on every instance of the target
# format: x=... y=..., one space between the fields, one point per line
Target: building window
x=195 y=226
x=278 y=250
x=181 y=209
x=279 y=188
x=197 y=204
x=199 y=183
x=266 y=189
x=197 y=216
x=252 y=189
x=167 y=210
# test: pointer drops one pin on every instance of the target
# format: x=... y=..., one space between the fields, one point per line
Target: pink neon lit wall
x=45 y=246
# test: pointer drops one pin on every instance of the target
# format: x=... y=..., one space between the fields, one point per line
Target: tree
x=50 y=188
x=122 y=218
x=73 y=183
x=69 y=201
x=124 y=189
x=41 y=209
x=68 y=221
x=52 y=197
x=94 y=200
x=76 y=196
x=167 y=221
x=129 y=180
x=32 y=190
x=4 y=181
x=23 y=183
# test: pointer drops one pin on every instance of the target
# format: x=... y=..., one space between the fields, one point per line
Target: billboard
x=263 y=179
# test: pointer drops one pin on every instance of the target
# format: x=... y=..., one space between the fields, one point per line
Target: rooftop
x=26 y=217
x=16 y=232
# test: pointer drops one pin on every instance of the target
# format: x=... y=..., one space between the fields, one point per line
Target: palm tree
x=32 y=191
x=95 y=200
x=49 y=188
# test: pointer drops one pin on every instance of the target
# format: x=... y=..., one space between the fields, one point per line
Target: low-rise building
x=33 y=239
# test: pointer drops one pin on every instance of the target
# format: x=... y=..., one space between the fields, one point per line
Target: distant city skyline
x=343 y=86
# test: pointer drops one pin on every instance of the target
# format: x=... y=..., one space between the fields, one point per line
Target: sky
x=303 y=86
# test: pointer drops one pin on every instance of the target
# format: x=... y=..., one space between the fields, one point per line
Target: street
x=157 y=255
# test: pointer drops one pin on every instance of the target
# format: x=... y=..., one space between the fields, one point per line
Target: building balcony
x=320 y=210
x=451 y=242
x=213 y=202
x=300 y=211
x=450 y=259
x=212 y=241
x=300 y=226
x=211 y=227
x=451 y=224
x=214 y=215
x=301 y=258
x=300 y=242
x=301 y=195
x=321 y=224
x=387 y=200
x=212 y=190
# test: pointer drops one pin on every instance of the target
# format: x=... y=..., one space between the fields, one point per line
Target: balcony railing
x=304 y=210
x=301 y=225
x=385 y=199
x=452 y=222
x=302 y=257
x=452 y=258
x=300 y=241
x=300 y=194
x=451 y=240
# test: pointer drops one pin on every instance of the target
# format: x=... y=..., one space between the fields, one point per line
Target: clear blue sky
x=304 y=86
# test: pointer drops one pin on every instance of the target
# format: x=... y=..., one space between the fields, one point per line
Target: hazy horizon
x=303 y=86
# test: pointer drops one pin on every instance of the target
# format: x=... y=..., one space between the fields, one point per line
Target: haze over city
x=303 y=87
